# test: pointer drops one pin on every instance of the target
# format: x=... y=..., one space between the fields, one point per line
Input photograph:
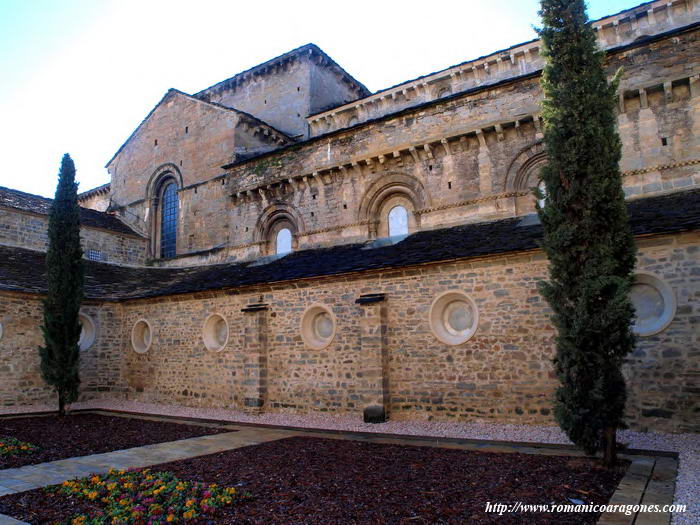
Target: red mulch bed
x=84 y=434
x=326 y=481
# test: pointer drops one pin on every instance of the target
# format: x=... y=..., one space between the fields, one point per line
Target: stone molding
x=209 y=336
x=437 y=322
x=88 y=332
x=141 y=340
x=669 y=307
x=311 y=339
x=501 y=65
x=427 y=149
x=661 y=167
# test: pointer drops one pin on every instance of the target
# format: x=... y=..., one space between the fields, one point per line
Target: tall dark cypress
x=587 y=236
x=60 y=354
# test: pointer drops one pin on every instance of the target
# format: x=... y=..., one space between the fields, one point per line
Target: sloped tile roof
x=20 y=200
x=23 y=270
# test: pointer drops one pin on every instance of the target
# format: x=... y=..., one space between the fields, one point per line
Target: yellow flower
x=188 y=514
x=189 y=503
x=95 y=479
x=92 y=495
x=171 y=517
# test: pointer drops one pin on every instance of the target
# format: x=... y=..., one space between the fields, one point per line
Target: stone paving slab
x=7 y=520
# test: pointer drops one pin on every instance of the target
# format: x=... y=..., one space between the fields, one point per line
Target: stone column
x=373 y=373
x=254 y=392
x=485 y=166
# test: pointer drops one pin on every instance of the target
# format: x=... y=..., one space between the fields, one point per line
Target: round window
x=458 y=317
x=318 y=327
x=453 y=318
x=215 y=332
x=88 y=331
x=141 y=336
x=654 y=304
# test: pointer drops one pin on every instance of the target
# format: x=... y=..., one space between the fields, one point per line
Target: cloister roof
x=23 y=270
x=29 y=202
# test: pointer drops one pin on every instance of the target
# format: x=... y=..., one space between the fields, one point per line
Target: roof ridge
x=13 y=190
x=41 y=206
x=296 y=51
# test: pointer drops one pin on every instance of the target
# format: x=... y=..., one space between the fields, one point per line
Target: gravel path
x=687 y=445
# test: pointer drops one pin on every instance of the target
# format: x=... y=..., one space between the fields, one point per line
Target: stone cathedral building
x=286 y=240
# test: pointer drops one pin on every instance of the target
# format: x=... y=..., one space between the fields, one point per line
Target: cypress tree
x=587 y=237
x=60 y=354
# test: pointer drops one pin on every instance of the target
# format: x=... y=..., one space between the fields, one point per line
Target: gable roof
x=20 y=200
x=176 y=92
x=23 y=270
x=311 y=49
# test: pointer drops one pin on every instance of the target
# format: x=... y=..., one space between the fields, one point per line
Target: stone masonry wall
x=21 y=317
x=29 y=230
x=623 y=28
x=502 y=374
x=466 y=158
x=382 y=353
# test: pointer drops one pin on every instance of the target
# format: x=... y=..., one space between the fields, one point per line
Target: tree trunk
x=610 y=456
x=61 y=404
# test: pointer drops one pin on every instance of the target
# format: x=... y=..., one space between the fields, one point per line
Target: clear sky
x=78 y=76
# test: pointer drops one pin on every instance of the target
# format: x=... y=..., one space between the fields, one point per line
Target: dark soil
x=325 y=481
x=84 y=434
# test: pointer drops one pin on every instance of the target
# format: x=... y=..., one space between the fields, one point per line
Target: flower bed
x=85 y=434
x=11 y=447
x=318 y=481
x=145 y=497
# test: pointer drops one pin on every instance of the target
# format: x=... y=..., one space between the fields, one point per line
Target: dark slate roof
x=37 y=204
x=22 y=269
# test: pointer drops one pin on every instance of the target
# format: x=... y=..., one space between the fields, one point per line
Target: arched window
x=168 y=219
x=283 y=241
x=398 y=221
x=543 y=189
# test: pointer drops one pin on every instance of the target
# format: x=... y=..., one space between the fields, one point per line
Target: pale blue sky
x=79 y=75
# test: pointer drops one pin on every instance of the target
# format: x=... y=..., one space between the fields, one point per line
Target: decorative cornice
x=512 y=61
x=428 y=148
x=333 y=228
x=661 y=167
x=99 y=190
x=415 y=151
x=471 y=202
